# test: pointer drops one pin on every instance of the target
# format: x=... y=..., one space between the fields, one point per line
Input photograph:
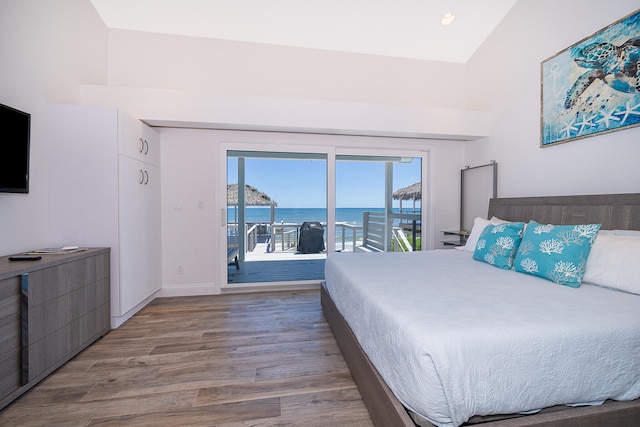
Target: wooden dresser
x=50 y=310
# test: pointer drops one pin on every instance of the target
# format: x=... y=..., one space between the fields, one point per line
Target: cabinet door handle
x=141 y=177
x=146 y=177
x=146 y=147
x=141 y=146
x=24 y=321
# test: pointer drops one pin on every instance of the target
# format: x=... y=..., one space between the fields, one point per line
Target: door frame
x=331 y=150
x=427 y=212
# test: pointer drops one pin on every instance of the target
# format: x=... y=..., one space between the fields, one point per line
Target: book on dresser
x=56 y=251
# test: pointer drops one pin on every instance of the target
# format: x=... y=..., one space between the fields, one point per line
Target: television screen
x=14 y=150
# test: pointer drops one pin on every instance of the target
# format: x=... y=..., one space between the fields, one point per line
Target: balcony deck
x=281 y=262
x=261 y=266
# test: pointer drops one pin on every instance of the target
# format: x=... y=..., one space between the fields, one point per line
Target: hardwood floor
x=265 y=359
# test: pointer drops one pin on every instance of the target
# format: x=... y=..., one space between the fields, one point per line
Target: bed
x=511 y=349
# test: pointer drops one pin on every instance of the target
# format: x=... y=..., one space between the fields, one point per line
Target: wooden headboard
x=613 y=211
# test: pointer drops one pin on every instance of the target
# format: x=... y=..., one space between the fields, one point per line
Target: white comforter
x=454 y=337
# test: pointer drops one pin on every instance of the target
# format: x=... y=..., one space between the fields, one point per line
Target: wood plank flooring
x=266 y=359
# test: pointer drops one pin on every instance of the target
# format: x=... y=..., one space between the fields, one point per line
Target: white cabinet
x=139 y=230
x=104 y=189
x=138 y=141
x=139 y=199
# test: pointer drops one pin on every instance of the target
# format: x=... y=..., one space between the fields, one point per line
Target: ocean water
x=262 y=214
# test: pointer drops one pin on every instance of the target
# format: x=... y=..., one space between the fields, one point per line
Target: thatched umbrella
x=411 y=192
x=252 y=197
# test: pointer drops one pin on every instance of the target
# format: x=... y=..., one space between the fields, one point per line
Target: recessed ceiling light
x=448 y=18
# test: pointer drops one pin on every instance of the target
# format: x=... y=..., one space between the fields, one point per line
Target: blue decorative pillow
x=556 y=252
x=497 y=244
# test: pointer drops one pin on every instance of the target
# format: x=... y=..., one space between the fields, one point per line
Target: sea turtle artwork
x=593 y=86
x=616 y=66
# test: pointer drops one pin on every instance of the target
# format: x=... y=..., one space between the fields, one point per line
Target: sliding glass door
x=276 y=216
x=288 y=208
x=378 y=205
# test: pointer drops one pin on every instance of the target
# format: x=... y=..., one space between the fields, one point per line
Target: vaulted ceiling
x=396 y=28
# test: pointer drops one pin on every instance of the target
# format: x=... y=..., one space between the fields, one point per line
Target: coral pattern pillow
x=497 y=245
x=556 y=252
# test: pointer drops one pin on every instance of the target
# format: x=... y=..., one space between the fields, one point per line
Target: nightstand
x=459 y=240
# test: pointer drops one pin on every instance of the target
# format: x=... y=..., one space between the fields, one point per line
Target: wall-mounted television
x=15 y=131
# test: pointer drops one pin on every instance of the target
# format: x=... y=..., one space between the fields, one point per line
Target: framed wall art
x=593 y=86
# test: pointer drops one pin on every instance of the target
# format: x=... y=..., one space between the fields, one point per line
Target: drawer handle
x=146 y=177
x=146 y=147
x=24 y=321
x=141 y=146
x=141 y=177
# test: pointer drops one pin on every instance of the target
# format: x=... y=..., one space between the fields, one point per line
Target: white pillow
x=478 y=227
x=614 y=262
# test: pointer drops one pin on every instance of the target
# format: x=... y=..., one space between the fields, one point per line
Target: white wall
x=189 y=236
x=190 y=174
x=224 y=84
x=504 y=77
x=167 y=78
x=46 y=49
x=149 y=60
x=172 y=108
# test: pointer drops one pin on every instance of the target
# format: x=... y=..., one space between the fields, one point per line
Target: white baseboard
x=117 y=321
x=186 y=290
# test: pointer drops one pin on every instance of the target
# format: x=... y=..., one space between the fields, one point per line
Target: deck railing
x=378 y=231
x=375 y=233
x=286 y=235
x=353 y=228
x=254 y=231
x=252 y=237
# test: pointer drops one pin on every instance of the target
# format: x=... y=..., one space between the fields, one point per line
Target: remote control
x=24 y=258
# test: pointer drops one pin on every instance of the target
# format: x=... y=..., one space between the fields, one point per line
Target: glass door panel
x=276 y=216
x=377 y=203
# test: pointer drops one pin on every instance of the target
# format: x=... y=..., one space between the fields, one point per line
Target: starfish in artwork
x=607 y=117
x=568 y=127
x=586 y=122
x=629 y=111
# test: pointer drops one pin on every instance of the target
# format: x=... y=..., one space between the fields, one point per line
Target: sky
x=301 y=183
